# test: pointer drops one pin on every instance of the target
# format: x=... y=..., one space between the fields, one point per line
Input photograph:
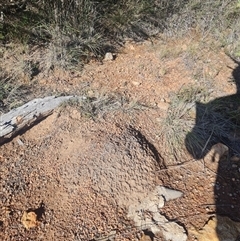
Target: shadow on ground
x=218 y=121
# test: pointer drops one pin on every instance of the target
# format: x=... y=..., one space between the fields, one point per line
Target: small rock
x=158 y=223
x=108 y=57
x=168 y=194
x=90 y=93
x=163 y=100
x=20 y=142
x=163 y=105
x=136 y=83
x=162 y=72
x=29 y=220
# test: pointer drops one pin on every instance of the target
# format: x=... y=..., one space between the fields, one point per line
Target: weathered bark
x=27 y=115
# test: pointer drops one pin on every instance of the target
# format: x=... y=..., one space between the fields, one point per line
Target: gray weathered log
x=25 y=116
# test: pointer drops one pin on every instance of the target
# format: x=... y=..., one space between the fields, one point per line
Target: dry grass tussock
x=180 y=120
x=195 y=123
x=100 y=104
x=68 y=42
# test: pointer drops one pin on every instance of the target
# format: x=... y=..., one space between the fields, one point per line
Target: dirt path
x=81 y=168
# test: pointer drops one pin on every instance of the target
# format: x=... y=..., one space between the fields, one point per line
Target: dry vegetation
x=38 y=37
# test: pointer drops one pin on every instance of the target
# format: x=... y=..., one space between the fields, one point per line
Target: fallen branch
x=27 y=115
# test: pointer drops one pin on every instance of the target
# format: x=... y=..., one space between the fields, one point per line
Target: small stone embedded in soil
x=108 y=57
x=136 y=83
x=163 y=105
x=169 y=194
x=20 y=142
x=29 y=220
x=158 y=223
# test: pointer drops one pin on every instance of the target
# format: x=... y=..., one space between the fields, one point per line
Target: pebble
x=163 y=105
x=108 y=57
x=20 y=142
x=90 y=93
x=136 y=83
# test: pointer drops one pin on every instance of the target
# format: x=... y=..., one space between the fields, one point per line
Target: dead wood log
x=27 y=115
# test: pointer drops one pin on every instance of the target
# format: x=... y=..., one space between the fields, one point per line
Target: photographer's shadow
x=218 y=121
